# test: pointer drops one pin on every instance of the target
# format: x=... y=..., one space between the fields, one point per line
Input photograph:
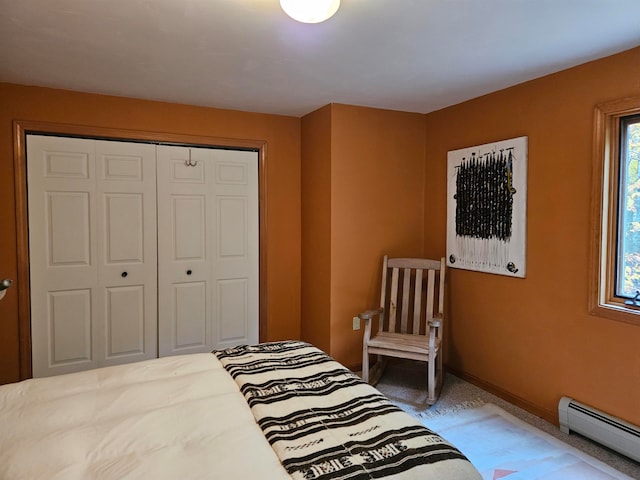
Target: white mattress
x=176 y=417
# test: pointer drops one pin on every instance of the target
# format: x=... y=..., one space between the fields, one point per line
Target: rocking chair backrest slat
x=383 y=291
x=407 y=304
x=404 y=314
x=431 y=284
x=417 y=300
x=441 y=293
x=393 y=300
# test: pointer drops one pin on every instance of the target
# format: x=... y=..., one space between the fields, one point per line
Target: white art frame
x=487 y=207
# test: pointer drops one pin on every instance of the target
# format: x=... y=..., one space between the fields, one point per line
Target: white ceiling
x=411 y=55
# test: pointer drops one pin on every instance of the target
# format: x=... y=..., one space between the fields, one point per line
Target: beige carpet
x=404 y=383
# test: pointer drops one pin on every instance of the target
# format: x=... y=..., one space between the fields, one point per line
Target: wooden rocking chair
x=411 y=319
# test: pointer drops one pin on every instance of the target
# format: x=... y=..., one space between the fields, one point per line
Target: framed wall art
x=487 y=207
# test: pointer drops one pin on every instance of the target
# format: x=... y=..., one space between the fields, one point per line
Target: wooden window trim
x=603 y=301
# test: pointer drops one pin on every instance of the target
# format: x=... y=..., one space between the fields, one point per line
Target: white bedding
x=187 y=417
x=134 y=421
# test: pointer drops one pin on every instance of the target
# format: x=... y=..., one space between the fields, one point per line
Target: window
x=615 y=266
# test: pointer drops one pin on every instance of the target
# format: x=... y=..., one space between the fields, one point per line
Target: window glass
x=628 y=241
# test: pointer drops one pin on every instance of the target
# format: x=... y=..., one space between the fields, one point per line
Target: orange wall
x=281 y=133
x=316 y=227
x=377 y=197
x=534 y=338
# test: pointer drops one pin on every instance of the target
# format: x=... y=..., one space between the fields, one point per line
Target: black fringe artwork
x=484 y=196
x=484 y=209
x=487 y=207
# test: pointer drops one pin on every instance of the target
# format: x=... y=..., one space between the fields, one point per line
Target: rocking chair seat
x=402 y=345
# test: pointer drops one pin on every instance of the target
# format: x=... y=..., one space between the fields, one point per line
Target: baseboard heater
x=609 y=431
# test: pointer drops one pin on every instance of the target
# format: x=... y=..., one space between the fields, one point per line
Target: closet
x=139 y=250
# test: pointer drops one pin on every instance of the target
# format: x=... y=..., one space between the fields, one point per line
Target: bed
x=272 y=411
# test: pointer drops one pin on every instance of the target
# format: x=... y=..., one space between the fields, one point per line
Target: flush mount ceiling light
x=310 y=11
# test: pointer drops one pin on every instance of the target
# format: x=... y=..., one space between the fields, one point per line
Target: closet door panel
x=93 y=259
x=184 y=237
x=232 y=311
x=125 y=325
x=61 y=195
x=68 y=238
x=124 y=228
x=189 y=302
x=232 y=227
x=70 y=319
x=235 y=250
x=127 y=251
x=67 y=241
x=188 y=226
x=121 y=165
x=64 y=161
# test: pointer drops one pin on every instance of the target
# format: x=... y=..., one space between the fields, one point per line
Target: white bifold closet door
x=207 y=249
x=138 y=251
x=92 y=248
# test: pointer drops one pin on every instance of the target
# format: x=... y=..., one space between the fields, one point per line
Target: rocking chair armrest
x=435 y=322
x=369 y=314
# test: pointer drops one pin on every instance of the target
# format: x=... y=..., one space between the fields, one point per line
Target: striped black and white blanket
x=325 y=423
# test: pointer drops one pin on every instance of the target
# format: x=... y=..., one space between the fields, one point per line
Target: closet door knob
x=124 y=274
x=188 y=272
x=4 y=284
